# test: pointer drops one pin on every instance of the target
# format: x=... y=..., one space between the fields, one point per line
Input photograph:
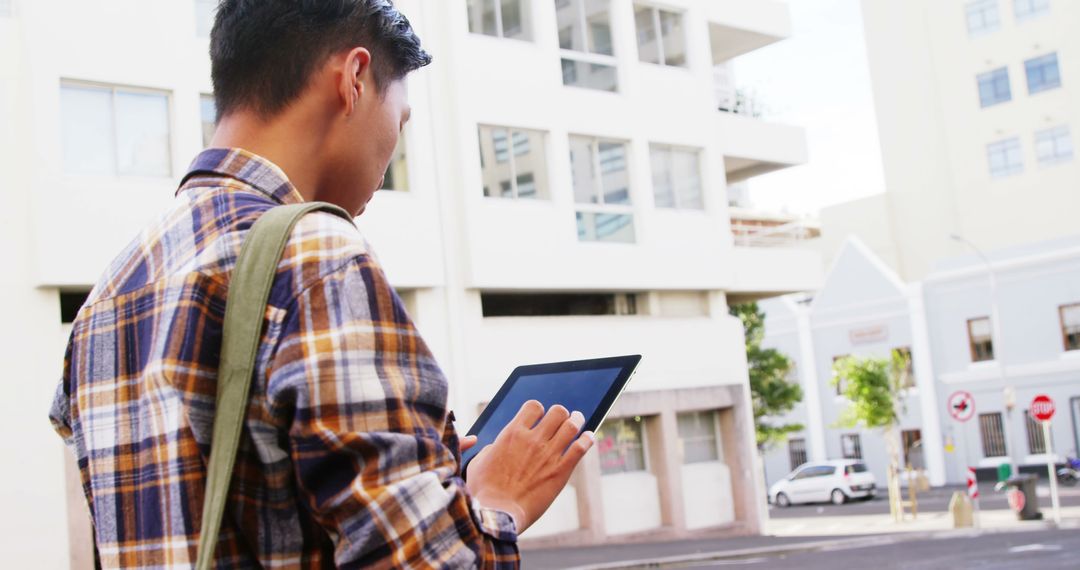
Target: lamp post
x=999 y=345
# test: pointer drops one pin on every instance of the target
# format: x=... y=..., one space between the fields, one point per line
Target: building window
x=397 y=172
x=994 y=87
x=909 y=372
x=980 y=339
x=208 y=113
x=622 y=446
x=1035 y=440
x=1054 y=145
x=698 y=431
x=588 y=55
x=982 y=17
x=601 y=176
x=204 y=17
x=1028 y=9
x=557 y=304
x=992 y=431
x=676 y=175
x=6 y=10
x=501 y=18
x=851 y=446
x=796 y=453
x=115 y=131
x=1005 y=157
x=911 y=440
x=1042 y=73
x=1070 y=326
x=661 y=36
x=513 y=163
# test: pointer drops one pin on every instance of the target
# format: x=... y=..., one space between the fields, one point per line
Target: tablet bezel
x=627 y=365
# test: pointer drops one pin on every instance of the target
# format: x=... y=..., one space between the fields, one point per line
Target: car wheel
x=782 y=500
x=838 y=497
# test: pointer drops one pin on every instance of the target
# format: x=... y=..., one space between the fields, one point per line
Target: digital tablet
x=586 y=386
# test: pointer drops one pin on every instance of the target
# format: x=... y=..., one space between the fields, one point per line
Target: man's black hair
x=264 y=52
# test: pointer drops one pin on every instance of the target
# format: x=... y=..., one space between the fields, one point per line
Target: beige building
x=978 y=111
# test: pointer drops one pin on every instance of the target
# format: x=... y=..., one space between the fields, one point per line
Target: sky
x=818 y=79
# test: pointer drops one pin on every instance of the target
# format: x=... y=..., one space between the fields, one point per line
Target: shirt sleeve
x=368 y=408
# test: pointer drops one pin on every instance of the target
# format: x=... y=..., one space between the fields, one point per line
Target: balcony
x=762 y=272
x=753 y=147
x=741 y=26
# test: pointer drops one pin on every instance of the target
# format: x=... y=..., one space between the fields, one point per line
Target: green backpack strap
x=245 y=311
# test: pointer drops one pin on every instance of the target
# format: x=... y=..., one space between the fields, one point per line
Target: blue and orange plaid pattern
x=349 y=456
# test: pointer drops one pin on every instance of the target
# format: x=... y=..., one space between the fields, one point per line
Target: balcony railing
x=755 y=233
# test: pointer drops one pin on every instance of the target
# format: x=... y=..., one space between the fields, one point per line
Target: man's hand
x=525 y=469
x=466 y=443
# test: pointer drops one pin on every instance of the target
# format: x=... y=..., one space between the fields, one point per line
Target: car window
x=855 y=468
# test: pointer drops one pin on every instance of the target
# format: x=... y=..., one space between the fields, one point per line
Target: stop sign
x=1042 y=408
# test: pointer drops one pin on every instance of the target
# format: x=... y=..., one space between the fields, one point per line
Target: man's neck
x=286 y=141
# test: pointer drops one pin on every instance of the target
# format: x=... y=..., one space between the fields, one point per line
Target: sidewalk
x=849 y=525
x=789 y=536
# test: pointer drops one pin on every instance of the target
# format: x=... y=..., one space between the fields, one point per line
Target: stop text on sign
x=1042 y=408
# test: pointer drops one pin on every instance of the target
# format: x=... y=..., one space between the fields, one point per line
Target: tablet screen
x=578 y=390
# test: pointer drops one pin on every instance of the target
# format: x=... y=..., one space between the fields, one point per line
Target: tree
x=770 y=392
x=875 y=389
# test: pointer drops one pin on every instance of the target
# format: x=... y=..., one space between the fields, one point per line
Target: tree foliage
x=874 y=388
x=770 y=391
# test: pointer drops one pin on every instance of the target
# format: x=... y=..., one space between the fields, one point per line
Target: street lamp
x=999 y=344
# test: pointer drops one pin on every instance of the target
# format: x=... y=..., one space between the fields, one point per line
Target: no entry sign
x=961 y=406
x=1042 y=408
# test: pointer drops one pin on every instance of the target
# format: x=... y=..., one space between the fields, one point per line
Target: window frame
x=991 y=443
x=793 y=453
x=983 y=8
x=500 y=31
x=1034 y=9
x=671 y=149
x=544 y=196
x=1053 y=136
x=1036 y=442
x=657 y=24
x=601 y=207
x=714 y=436
x=840 y=385
x=587 y=56
x=1044 y=86
x=1005 y=148
x=1065 y=331
x=856 y=446
x=644 y=439
x=906 y=351
x=113 y=89
x=971 y=340
x=993 y=78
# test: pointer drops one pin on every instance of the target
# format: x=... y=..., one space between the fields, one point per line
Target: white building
x=945 y=322
x=592 y=221
x=977 y=110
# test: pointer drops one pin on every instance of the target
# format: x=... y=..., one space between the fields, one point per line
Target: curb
x=862 y=541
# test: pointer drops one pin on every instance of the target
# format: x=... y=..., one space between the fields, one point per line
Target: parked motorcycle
x=1070 y=474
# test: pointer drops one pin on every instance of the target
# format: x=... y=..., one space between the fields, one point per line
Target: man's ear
x=355 y=72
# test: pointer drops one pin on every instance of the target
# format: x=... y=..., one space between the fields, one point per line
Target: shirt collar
x=246 y=167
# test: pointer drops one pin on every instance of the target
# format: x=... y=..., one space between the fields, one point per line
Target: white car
x=835 y=481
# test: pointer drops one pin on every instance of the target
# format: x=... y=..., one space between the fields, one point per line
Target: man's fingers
x=578 y=449
x=528 y=415
x=468 y=442
x=568 y=431
x=551 y=422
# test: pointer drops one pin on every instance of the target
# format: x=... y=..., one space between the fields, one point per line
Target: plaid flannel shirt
x=349 y=455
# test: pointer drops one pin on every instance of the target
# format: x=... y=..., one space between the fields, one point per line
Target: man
x=348 y=457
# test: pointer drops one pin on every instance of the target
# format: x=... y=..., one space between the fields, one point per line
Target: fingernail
x=578 y=416
x=591 y=436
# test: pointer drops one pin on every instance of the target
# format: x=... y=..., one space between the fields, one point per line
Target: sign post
x=1042 y=408
x=961 y=406
x=973 y=493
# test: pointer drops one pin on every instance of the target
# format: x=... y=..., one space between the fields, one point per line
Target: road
x=935 y=500
x=1049 y=549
